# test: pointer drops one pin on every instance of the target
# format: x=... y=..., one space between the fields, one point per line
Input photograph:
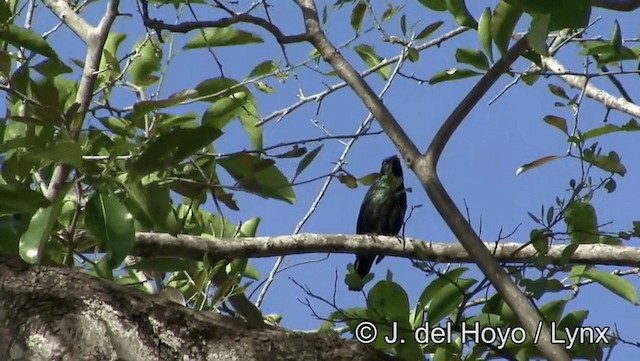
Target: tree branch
x=95 y=39
x=425 y=169
x=74 y=21
x=185 y=27
x=580 y=82
x=197 y=248
x=330 y=54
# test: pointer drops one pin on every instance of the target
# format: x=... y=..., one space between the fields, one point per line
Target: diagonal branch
x=330 y=54
x=580 y=82
x=425 y=169
x=74 y=21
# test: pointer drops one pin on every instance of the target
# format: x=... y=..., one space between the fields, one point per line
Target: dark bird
x=382 y=210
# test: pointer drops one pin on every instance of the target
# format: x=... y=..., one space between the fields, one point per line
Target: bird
x=382 y=211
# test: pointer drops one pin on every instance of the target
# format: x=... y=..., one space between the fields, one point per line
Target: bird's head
x=392 y=166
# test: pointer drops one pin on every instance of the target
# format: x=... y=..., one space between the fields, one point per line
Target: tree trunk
x=61 y=314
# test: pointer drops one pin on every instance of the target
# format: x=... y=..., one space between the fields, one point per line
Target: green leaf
x=610 y=162
x=567 y=253
x=387 y=300
x=368 y=179
x=448 y=300
x=539 y=240
x=368 y=55
x=263 y=87
x=539 y=287
x=5 y=64
x=410 y=349
x=436 y=5
x=294 y=152
x=26 y=38
x=412 y=54
x=557 y=122
x=433 y=289
x=264 y=68
x=306 y=161
x=571 y=14
x=452 y=74
x=51 y=68
x=258 y=176
x=249 y=119
x=169 y=149
x=536 y=163
x=552 y=311
x=484 y=32
x=582 y=223
x=325 y=15
x=458 y=8
x=613 y=283
x=141 y=108
x=558 y=91
x=348 y=180
x=6 y=11
x=215 y=88
x=240 y=104
x=109 y=58
x=573 y=319
x=503 y=22
x=358 y=14
x=616 y=38
x=538 y=31
x=11 y=228
x=117 y=125
x=18 y=198
x=612 y=56
x=610 y=186
x=33 y=240
x=66 y=151
x=111 y=224
x=249 y=228
x=222 y=37
x=475 y=58
x=630 y=126
x=428 y=30
x=218 y=226
x=251 y=272
x=150 y=205
x=389 y=12
x=224 y=110
x=148 y=62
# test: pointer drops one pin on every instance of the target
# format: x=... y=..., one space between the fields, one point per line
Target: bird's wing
x=399 y=211
x=367 y=218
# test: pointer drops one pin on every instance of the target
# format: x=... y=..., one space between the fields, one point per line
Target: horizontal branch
x=185 y=27
x=196 y=248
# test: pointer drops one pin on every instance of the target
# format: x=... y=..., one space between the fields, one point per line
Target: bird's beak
x=387 y=168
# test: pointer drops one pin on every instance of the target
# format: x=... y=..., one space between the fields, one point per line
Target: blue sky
x=478 y=165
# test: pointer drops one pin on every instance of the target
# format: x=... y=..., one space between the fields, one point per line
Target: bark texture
x=61 y=314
